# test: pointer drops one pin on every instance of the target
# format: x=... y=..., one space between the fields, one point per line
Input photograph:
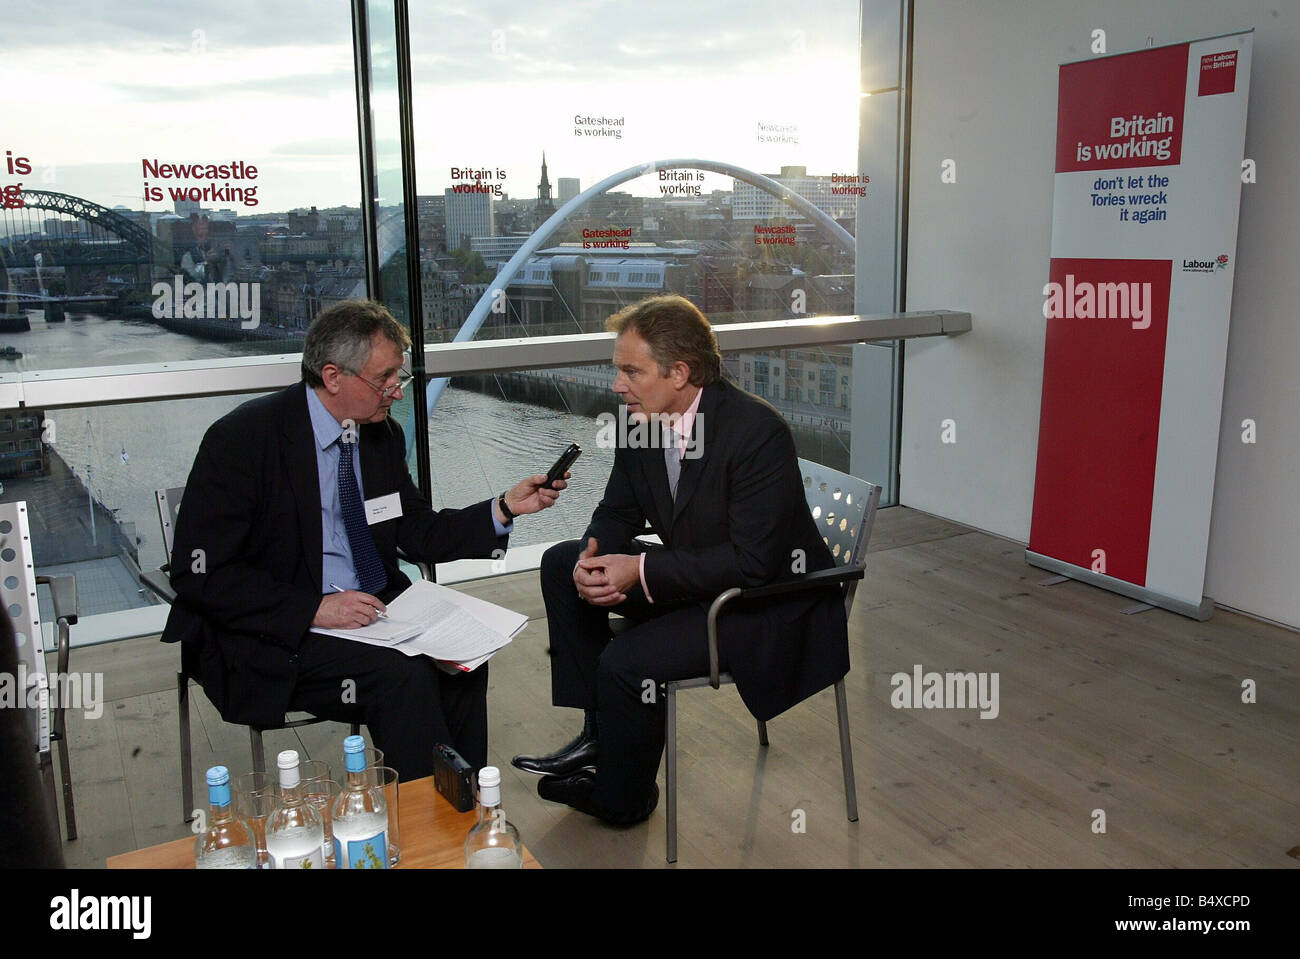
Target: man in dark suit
x=725 y=495
x=283 y=529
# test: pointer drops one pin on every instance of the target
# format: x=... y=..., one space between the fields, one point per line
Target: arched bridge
x=825 y=224
x=138 y=240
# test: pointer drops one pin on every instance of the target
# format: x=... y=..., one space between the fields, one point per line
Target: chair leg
x=65 y=773
x=846 y=752
x=670 y=768
x=187 y=760
x=762 y=733
x=46 y=763
x=61 y=734
x=259 y=755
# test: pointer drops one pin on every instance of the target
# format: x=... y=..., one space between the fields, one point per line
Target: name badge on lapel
x=383 y=508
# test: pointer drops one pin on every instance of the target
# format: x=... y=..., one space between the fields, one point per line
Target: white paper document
x=382 y=632
x=448 y=626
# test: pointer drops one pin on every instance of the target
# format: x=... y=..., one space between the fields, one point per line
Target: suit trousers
x=409 y=704
x=619 y=677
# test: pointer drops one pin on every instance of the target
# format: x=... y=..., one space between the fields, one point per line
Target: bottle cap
x=489 y=776
x=218 y=776
x=288 y=763
x=354 y=754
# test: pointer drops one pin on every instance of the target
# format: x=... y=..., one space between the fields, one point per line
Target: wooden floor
x=1139 y=717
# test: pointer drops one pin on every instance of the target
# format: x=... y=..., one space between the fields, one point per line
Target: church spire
x=544 y=189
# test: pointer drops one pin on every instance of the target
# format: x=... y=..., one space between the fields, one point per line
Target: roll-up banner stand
x=1144 y=235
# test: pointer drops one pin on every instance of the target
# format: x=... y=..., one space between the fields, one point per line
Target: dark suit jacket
x=740 y=519
x=252 y=507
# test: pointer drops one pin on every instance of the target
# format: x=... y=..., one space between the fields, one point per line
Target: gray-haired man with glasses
x=292 y=518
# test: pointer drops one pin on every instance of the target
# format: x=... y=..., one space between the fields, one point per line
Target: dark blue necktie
x=365 y=558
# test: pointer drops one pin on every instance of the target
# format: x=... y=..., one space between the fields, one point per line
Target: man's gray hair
x=342 y=335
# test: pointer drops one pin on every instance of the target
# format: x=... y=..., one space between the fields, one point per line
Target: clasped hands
x=605 y=580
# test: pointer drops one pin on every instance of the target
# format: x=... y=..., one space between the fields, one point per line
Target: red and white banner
x=1144 y=235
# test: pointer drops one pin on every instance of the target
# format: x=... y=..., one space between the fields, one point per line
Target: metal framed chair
x=159 y=583
x=20 y=603
x=844 y=508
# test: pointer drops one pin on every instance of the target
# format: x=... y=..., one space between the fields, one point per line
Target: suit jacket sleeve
x=215 y=566
x=438 y=536
x=618 y=517
x=762 y=480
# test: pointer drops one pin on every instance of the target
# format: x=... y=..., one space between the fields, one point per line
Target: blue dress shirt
x=337 y=568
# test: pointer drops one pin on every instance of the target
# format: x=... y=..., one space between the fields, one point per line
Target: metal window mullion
x=904 y=199
x=366 y=145
x=411 y=222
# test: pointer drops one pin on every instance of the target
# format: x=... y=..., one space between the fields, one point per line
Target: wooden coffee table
x=432 y=834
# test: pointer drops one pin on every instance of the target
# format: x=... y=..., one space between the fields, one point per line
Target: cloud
x=205 y=86
x=495 y=82
x=245 y=24
x=610 y=40
x=324 y=146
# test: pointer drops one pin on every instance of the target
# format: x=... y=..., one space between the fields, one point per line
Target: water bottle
x=493 y=843
x=360 y=814
x=227 y=843
x=294 y=832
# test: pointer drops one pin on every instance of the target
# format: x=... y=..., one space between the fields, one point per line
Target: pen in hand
x=339 y=589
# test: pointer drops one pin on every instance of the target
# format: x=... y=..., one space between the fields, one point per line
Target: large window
x=188 y=187
x=179 y=184
x=518 y=109
x=744 y=90
x=91 y=500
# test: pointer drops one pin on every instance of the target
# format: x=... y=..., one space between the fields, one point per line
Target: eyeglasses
x=404 y=378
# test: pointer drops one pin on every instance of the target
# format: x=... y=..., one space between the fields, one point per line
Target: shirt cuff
x=501 y=530
x=644 y=588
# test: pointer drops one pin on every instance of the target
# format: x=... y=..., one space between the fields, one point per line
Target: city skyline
x=812 y=186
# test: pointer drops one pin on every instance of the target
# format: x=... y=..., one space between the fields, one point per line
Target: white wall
x=984 y=87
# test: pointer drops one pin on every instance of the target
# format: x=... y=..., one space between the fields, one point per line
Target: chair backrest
x=844 y=510
x=18 y=593
x=169 y=506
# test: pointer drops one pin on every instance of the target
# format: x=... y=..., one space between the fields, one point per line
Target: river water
x=478 y=444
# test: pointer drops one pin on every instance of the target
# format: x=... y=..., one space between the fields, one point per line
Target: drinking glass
x=386 y=778
x=312 y=769
x=255 y=795
x=321 y=793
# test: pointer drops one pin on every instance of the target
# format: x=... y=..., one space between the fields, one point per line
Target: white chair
x=844 y=508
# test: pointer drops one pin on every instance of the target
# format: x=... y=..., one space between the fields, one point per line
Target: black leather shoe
x=579 y=754
x=576 y=791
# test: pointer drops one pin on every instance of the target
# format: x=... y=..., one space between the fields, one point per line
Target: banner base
x=1200 y=612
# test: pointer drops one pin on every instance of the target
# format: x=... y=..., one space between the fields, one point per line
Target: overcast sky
x=94 y=87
